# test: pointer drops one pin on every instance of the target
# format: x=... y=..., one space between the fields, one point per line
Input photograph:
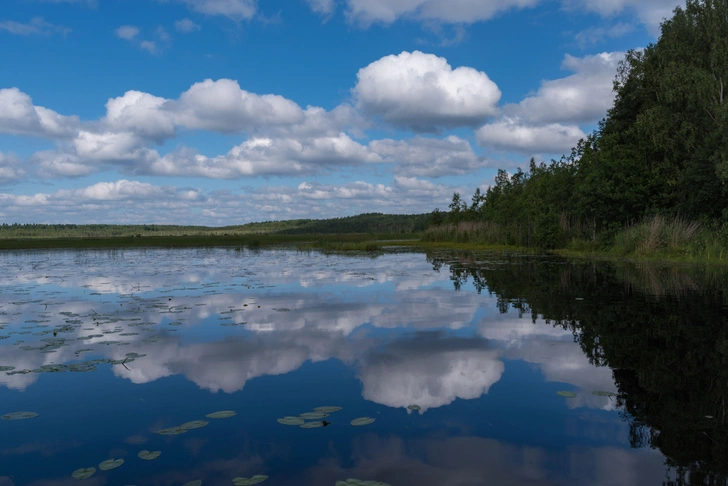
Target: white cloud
x=451 y=11
x=234 y=9
x=36 y=26
x=127 y=32
x=266 y=156
x=186 y=26
x=429 y=157
x=18 y=116
x=424 y=93
x=163 y=204
x=650 y=12
x=514 y=135
x=140 y=113
x=10 y=169
x=583 y=97
x=222 y=106
x=431 y=371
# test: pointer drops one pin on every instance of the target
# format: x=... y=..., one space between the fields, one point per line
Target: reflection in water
x=170 y=336
x=662 y=332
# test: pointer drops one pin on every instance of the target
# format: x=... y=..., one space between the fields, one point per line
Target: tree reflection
x=662 y=330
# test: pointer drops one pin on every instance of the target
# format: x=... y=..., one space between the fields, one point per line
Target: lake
x=175 y=367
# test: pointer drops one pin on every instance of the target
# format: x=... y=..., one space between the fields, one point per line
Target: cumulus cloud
x=223 y=106
x=18 y=116
x=548 y=120
x=429 y=157
x=583 y=97
x=513 y=135
x=458 y=11
x=186 y=26
x=36 y=26
x=424 y=93
x=266 y=156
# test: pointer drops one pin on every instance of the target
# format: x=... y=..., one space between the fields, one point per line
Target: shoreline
x=365 y=242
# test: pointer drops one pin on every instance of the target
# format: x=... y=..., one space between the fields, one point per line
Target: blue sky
x=229 y=111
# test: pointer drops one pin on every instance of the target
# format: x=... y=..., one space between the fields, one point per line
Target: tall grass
x=656 y=237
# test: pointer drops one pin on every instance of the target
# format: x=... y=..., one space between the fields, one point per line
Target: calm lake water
x=523 y=370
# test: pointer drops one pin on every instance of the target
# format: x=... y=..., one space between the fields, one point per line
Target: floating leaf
x=313 y=415
x=195 y=424
x=414 y=407
x=83 y=473
x=222 y=414
x=110 y=464
x=258 y=478
x=312 y=425
x=359 y=482
x=171 y=431
x=566 y=394
x=19 y=415
x=362 y=421
x=149 y=456
x=7 y=368
x=327 y=409
x=291 y=421
x=196 y=482
x=604 y=394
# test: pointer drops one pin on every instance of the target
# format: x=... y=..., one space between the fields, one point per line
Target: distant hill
x=364 y=223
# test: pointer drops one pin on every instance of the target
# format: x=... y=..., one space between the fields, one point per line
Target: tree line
x=660 y=152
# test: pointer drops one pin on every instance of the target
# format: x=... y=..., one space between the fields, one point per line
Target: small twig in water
x=122 y=363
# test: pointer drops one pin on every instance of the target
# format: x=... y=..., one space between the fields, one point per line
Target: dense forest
x=652 y=177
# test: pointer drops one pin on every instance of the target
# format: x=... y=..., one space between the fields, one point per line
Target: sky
x=223 y=112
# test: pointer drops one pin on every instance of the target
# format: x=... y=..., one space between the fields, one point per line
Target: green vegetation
x=364 y=223
x=651 y=180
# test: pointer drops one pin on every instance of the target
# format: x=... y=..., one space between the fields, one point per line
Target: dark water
x=482 y=343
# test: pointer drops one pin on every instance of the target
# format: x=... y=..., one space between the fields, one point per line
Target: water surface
x=523 y=370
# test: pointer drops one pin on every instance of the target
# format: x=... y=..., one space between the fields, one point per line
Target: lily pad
x=258 y=478
x=195 y=424
x=110 y=464
x=7 y=368
x=327 y=409
x=566 y=394
x=414 y=407
x=359 y=482
x=149 y=456
x=222 y=414
x=171 y=431
x=196 y=482
x=312 y=425
x=604 y=394
x=313 y=415
x=291 y=421
x=19 y=415
x=362 y=421
x=83 y=473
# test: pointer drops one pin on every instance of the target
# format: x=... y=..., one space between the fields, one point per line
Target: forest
x=650 y=179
